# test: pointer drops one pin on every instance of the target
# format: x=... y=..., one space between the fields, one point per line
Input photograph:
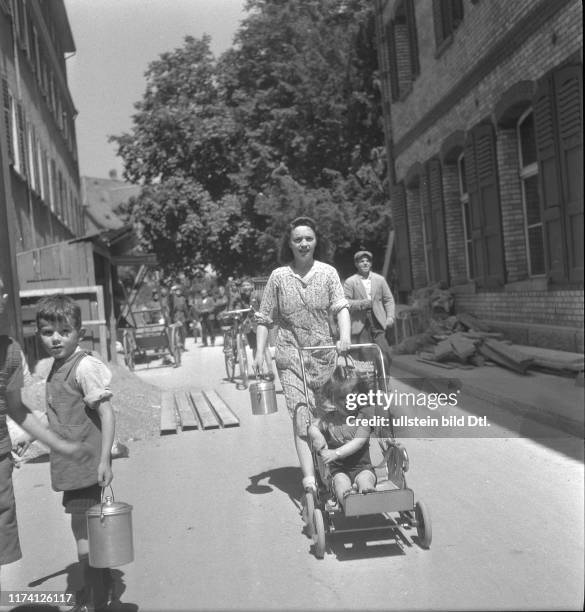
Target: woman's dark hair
x=321 y=249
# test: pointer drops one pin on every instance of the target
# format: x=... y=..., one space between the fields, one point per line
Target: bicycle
x=234 y=344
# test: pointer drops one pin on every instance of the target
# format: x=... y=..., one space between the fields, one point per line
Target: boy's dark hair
x=59 y=309
x=321 y=249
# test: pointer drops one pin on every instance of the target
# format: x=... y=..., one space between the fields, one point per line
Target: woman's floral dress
x=301 y=309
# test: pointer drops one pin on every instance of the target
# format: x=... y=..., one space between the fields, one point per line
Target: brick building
x=40 y=201
x=483 y=123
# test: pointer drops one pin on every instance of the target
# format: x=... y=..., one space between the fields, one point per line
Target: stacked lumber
x=464 y=341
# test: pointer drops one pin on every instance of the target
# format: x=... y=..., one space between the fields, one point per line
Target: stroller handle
x=371 y=345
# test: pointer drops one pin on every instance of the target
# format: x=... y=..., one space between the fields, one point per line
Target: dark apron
x=70 y=418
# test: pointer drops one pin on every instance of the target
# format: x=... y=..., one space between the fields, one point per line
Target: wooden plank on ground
x=168 y=419
x=206 y=415
x=226 y=417
x=186 y=413
x=506 y=356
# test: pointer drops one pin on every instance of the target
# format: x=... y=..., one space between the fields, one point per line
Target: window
x=528 y=173
x=402 y=41
x=559 y=149
x=447 y=16
x=465 y=215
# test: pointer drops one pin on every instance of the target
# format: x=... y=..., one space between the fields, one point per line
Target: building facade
x=39 y=121
x=39 y=186
x=483 y=121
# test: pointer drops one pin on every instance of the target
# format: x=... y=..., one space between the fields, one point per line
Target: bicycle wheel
x=229 y=357
x=242 y=361
x=128 y=351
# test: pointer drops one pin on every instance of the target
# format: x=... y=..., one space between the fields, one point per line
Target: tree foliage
x=286 y=122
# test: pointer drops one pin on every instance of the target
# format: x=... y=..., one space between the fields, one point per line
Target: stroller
x=391 y=505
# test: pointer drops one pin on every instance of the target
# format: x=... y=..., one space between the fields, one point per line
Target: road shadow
x=74 y=574
x=287 y=479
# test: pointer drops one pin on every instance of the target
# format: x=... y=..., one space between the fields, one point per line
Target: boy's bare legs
x=365 y=481
x=97 y=581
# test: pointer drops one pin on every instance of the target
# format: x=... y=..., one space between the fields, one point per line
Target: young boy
x=78 y=408
x=343 y=449
x=12 y=366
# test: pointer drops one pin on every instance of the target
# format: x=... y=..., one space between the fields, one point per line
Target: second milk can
x=263 y=396
x=109 y=528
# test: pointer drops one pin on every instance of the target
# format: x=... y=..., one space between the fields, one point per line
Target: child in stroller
x=341 y=446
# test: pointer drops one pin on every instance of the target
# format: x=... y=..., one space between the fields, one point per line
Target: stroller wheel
x=319 y=536
x=423 y=528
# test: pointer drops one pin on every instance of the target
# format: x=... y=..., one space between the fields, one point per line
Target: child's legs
x=365 y=481
x=341 y=485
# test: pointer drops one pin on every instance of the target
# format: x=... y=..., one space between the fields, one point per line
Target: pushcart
x=391 y=506
x=156 y=340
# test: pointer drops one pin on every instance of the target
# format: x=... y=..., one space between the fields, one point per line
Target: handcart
x=156 y=339
x=391 y=506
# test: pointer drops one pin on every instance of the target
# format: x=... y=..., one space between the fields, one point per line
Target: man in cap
x=371 y=306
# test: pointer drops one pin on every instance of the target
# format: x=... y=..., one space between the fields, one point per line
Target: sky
x=115 y=41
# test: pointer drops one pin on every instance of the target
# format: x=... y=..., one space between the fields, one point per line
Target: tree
x=286 y=122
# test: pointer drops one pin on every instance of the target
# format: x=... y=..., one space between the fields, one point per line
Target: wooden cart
x=142 y=341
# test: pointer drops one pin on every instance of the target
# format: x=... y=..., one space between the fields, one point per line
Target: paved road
x=217 y=525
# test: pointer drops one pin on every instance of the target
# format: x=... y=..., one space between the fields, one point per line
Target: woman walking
x=299 y=299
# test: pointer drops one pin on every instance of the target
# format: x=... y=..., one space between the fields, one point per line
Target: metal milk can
x=263 y=396
x=109 y=528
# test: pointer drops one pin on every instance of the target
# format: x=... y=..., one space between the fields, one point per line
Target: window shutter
x=392 y=65
x=438 y=22
x=568 y=97
x=457 y=12
x=7 y=108
x=474 y=210
x=412 y=38
x=22 y=144
x=401 y=238
x=549 y=180
x=427 y=225
x=439 y=245
x=487 y=178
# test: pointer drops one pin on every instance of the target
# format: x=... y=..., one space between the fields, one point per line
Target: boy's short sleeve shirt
x=94 y=378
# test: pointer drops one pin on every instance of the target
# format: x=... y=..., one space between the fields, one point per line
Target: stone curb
x=537 y=413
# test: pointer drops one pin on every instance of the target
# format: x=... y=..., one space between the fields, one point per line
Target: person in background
x=165 y=305
x=299 y=298
x=371 y=306
x=12 y=367
x=248 y=298
x=206 y=317
x=221 y=303
x=180 y=312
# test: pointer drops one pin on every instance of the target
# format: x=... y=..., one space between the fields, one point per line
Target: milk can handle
x=102 y=501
